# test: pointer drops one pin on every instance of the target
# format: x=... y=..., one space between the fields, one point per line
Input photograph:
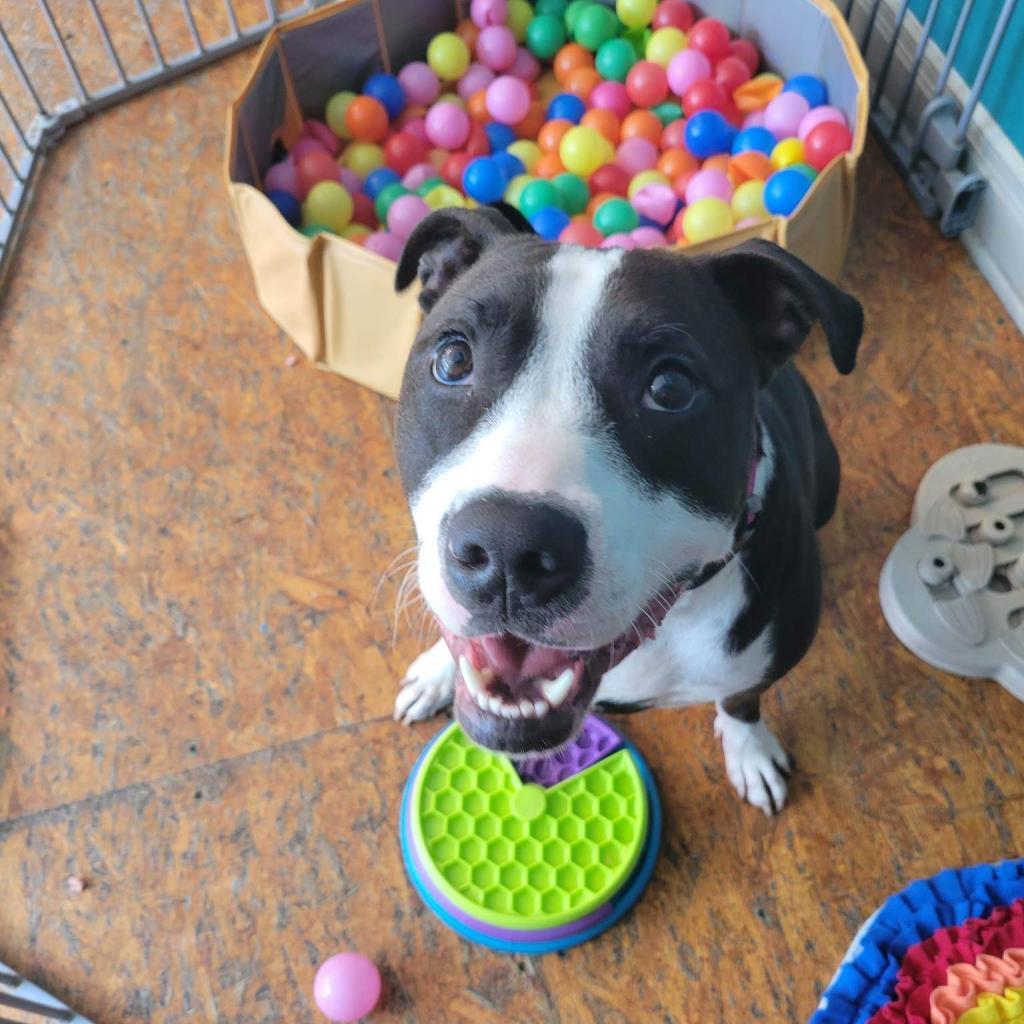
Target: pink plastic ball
x=477 y=77
x=404 y=214
x=488 y=12
x=525 y=66
x=384 y=244
x=611 y=96
x=318 y=130
x=783 y=115
x=282 y=177
x=685 y=68
x=419 y=83
x=636 y=154
x=755 y=119
x=417 y=174
x=417 y=127
x=309 y=145
x=496 y=47
x=708 y=183
x=819 y=115
x=350 y=180
x=656 y=202
x=620 y=240
x=646 y=237
x=347 y=985
x=508 y=99
x=447 y=126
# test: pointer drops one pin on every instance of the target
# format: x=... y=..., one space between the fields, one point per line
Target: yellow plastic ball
x=527 y=152
x=639 y=181
x=515 y=187
x=707 y=218
x=334 y=114
x=441 y=197
x=665 y=44
x=748 y=200
x=452 y=97
x=635 y=13
x=328 y=203
x=582 y=150
x=356 y=233
x=520 y=14
x=788 y=152
x=448 y=55
x=362 y=157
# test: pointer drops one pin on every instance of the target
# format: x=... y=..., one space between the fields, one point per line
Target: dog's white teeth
x=495 y=705
x=476 y=680
x=526 y=709
x=556 y=690
x=541 y=707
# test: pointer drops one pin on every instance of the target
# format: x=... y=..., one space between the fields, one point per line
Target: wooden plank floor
x=198 y=679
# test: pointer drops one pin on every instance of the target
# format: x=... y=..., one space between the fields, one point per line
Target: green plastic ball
x=572 y=12
x=552 y=7
x=637 y=38
x=312 y=230
x=614 y=216
x=595 y=25
x=430 y=183
x=614 y=59
x=385 y=197
x=545 y=36
x=573 y=191
x=667 y=112
x=806 y=170
x=635 y=13
x=537 y=195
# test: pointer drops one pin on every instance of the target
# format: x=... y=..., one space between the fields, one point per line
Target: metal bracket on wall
x=18 y=994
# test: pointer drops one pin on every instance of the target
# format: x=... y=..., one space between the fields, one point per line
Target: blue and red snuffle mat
x=946 y=950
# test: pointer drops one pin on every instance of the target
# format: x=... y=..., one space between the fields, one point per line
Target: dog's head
x=575 y=433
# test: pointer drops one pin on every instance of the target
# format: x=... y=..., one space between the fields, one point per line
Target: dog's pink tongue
x=512 y=659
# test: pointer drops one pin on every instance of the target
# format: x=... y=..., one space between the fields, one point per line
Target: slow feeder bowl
x=336 y=300
x=533 y=856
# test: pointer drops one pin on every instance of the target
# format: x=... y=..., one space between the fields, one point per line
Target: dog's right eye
x=453 y=361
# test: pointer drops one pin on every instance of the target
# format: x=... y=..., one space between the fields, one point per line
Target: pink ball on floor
x=384 y=244
x=318 y=130
x=496 y=47
x=525 y=66
x=636 y=154
x=488 y=12
x=619 y=241
x=404 y=214
x=347 y=985
x=415 y=176
x=819 y=115
x=416 y=126
x=419 y=83
x=783 y=115
x=705 y=184
x=685 y=68
x=656 y=202
x=310 y=145
x=611 y=96
x=282 y=177
x=647 y=237
x=755 y=119
x=477 y=77
x=508 y=99
x=447 y=126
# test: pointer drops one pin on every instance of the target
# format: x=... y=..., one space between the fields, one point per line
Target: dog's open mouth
x=523 y=698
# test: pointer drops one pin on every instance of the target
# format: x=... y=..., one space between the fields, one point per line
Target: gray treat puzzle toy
x=952 y=589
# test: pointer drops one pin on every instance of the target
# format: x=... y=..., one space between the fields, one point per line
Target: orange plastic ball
x=596 y=201
x=582 y=81
x=550 y=135
x=603 y=121
x=641 y=124
x=718 y=162
x=569 y=58
x=476 y=106
x=673 y=162
x=533 y=122
x=749 y=166
x=757 y=93
x=468 y=33
x=366 y=120
x=549 y=165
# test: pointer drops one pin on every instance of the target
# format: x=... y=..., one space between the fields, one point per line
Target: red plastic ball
x=477 y=144
x=579 y=231
x=673 y=14
x=733 y=115
x=704 y=94
x=452 y=168
x=711 y=37
x=647 y=83
x=363 y=211
x=826 y=142
x=404 y=150
x=312 y=167
x=610 y=178
x=674 y=135
x=747 y=52
x=731 y=73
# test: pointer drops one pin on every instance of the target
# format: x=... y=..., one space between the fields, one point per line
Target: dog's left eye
x=669 y=389
x=453 y=361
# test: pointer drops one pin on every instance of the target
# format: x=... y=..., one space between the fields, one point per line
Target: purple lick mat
x=595 y=742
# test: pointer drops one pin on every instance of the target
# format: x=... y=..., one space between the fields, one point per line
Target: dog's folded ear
x=780 y=298
x=445 y=243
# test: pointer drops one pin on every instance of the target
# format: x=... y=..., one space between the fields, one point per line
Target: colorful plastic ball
x=603 y=121
x=313 y=129
x=467 y=32
x=568 y=59
x=484 y=180
x=426 y=184
x=447 y=126
x=366 y=119
x=614 y=59
x=419 y=84
x=748 y=200
x=510 y=165
x=611 y=179
x=580 y=231
x=636 y=155
x=643 y=123
x=443 y=197
x=635 y=13
x=806 y=170
x=731 y=73
x=508 y=99
x=414 y=122
x=334 y=113
x=572 y=12
x=819 y=115
x=526 y=152
x=453 y=167
x=755 y=119
x=388 y=90
x=619 y=240
x=664 y=44
x=282 y=177
x=686 y=68
x=378 y=180
x=573 y=192
x=784 y=190
x=582 y=81
x=477 y=144
x=708 y=133
x=448 y=56
x=363 y=211
x=306 y=145
x=646 y=83
x=752 y=165
x=476 y=78
x=707 y=183
x=614 y=216
x=556 y=8
x=613 y=97
x=532 y=123
x=656 y=202
x=757 y=93
x=667 y=111
x=707 y=218
x=647 y=237
x=550 y=136
x=312 y=230
x=404 y=214
x=711 y=37
x=404 y=150
x=488 y=12
x=328 y=203
x=520 y=14
x=642 y=180
x=675 y=13
x=476 y=106
x=385 y=197
x=545 y=36
x=287 y=205
x=672 y=162
x=514 y=189
x=787 y=152
x=313 y=167
x=825 y=142
x=704 y=94
x=760 y=139
x=500 y=136
x=674 y=135
x=347 y=985
x=594 y=25
x=549 y=222
x=549 y=165
x=525 y=66
x=812 y=89
x=582 y=150
x=783 y=115
x=566 y=107
x=496 y=47
x=746 y=51
x=539 y=195
x=362 y=157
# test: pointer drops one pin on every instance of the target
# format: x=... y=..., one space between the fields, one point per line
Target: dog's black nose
x=513 y=553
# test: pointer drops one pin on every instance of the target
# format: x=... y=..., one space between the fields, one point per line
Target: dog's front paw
x=428 y=687
x=755 y=762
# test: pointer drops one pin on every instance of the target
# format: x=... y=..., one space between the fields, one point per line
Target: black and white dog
x=616 y=476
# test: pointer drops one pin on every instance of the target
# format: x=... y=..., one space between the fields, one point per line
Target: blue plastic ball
x=812 y=89
x=500 y=136
x=549 y=222
x=783 y=191
x=760 y=139
x=484 y=180
x=708 y=133
x=567 y=107
x=388 y=90
x=287 y=205
x=379 y=179
x=510 y=164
